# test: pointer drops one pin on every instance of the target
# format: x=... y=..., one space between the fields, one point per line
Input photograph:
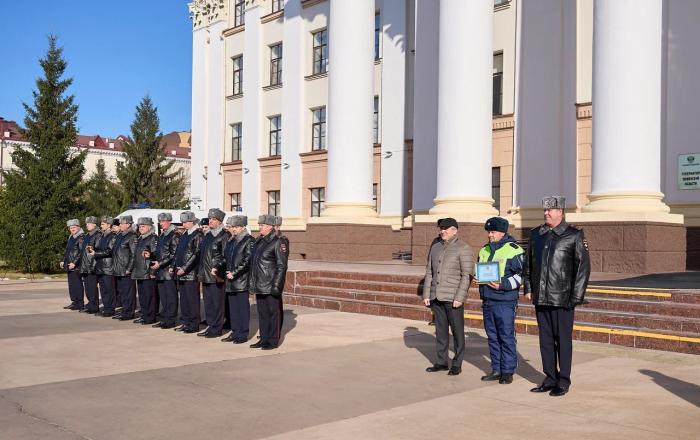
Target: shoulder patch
x=514 y=245
x=585 y=243
x=283 y=247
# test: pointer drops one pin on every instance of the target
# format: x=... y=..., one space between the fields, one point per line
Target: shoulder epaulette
x=514 y=245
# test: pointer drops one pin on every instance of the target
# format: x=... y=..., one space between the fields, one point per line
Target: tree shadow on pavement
x=687 y=391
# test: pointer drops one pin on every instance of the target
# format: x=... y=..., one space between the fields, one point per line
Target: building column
x=350 y=109
x=464 y=111
x=292 y=116
x=627 y=56
x=252 y=116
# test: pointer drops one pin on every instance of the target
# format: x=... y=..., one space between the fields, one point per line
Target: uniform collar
x=557 y=230
x=79 y=233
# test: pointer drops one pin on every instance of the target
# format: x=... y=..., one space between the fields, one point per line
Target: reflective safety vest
x=502 y=255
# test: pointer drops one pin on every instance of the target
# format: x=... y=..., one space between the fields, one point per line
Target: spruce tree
x=146 y=174
x=101 y=194
x=45 y=189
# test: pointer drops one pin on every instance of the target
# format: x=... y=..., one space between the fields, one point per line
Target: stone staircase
x=655 y=319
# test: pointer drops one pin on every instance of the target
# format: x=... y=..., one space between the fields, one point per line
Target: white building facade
x=385 y=115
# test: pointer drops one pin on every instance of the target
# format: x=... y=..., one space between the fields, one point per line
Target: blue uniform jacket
x=512 y=277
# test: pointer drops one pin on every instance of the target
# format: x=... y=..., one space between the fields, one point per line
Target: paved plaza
x=65 y=375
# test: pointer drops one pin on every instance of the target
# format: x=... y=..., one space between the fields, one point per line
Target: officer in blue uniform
x=500 y=299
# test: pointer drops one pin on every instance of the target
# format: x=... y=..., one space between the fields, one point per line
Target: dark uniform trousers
x=147 y=299
x=93 y=297
x=189 y=304
x=499 y=323
x=75 y=288
x=126 y=290
x=446 y=315
x=167 y=291
x=555 y=326
x=239 y=311
x=107 y=292
x=214 y=300
x=269 y=318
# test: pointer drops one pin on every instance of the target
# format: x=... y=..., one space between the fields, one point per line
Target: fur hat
x=188 y=216
x=496 y=224
x=204 y=221
x=107 y=219
x=165 y=216
x=126 y=219
x=237 y=220
x=217 y=214
x=91 y=219
x=73 y=222
x=115 y=222
x=266 y=219
x=554 y=202
x=145 y=221
x=278 y=221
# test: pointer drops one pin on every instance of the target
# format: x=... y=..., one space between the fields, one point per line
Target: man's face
x=90 y=226
x=447 y=233
x=124 y=226
x=495 y=236
x=265 y=229
x=105 y=226
x=552 y=217
x=237 y=229
x=187 y=225
x=205 y=228
x=214 y=222
x=74 y=229
x=144 y=229
x=164 y=224
x=115 y=228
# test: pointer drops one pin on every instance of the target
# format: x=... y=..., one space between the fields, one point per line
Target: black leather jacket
x=165 y=253
x=123 y=253
x=237 y=253
x=73 y=251
x=142 y=266
x=268 y=266
x=557 y=266
x=103 y=253
x=187 y=255
x=87 y=261
x=211 y=256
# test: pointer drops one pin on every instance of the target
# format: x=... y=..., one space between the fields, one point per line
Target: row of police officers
x=120 y=264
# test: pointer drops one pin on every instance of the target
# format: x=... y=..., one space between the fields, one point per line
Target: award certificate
x=488 y=272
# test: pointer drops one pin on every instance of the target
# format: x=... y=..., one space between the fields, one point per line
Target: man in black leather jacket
x=162 y=261
x=71 y=264
x=102 y=253
x=556 y=272
x=142 y=271
x=185 y=268
x=268 y=269
x=212 y=268
x=237 y=254
x=122 y=263
x=88 y=265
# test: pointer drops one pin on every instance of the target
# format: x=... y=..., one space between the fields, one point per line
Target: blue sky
x=117 y=52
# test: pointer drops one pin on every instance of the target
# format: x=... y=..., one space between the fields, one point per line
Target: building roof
x=10 y=130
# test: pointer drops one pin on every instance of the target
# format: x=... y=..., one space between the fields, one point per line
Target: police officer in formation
x=500 y=299
x=227 y=262
x=88 y=266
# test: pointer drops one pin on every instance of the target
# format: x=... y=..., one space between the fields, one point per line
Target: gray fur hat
x=188 y=216
x=266 y=219
x=217 y=214
x=278 y=221
x=237 y=220
x=91 y=219
x=73 y=222
x=145 y=221
x=165 y=216
x=126 y=219
x=554 y=202
x=107 y=219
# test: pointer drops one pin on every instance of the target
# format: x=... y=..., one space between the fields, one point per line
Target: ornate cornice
x=205 y=12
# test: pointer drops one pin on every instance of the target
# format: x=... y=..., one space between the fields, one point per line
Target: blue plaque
x=488 y=272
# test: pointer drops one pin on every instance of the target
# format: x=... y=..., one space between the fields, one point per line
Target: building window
x=276 y=64
x=498 y=83
x=236 y=202
x=320 y=39
x=276 y=5
x=377 y=35
x=236 y=139
x=238 y=75
x=273 y=202
x=496 y=187
x=239 y=13
x=318 y=129
x=376 y=120
x=275 y=135
x=375 y=190
x=318 y=201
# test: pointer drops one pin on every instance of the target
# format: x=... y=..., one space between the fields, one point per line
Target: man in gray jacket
x=448 y=275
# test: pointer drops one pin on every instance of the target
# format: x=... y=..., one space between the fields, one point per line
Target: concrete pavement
x=65 y=375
